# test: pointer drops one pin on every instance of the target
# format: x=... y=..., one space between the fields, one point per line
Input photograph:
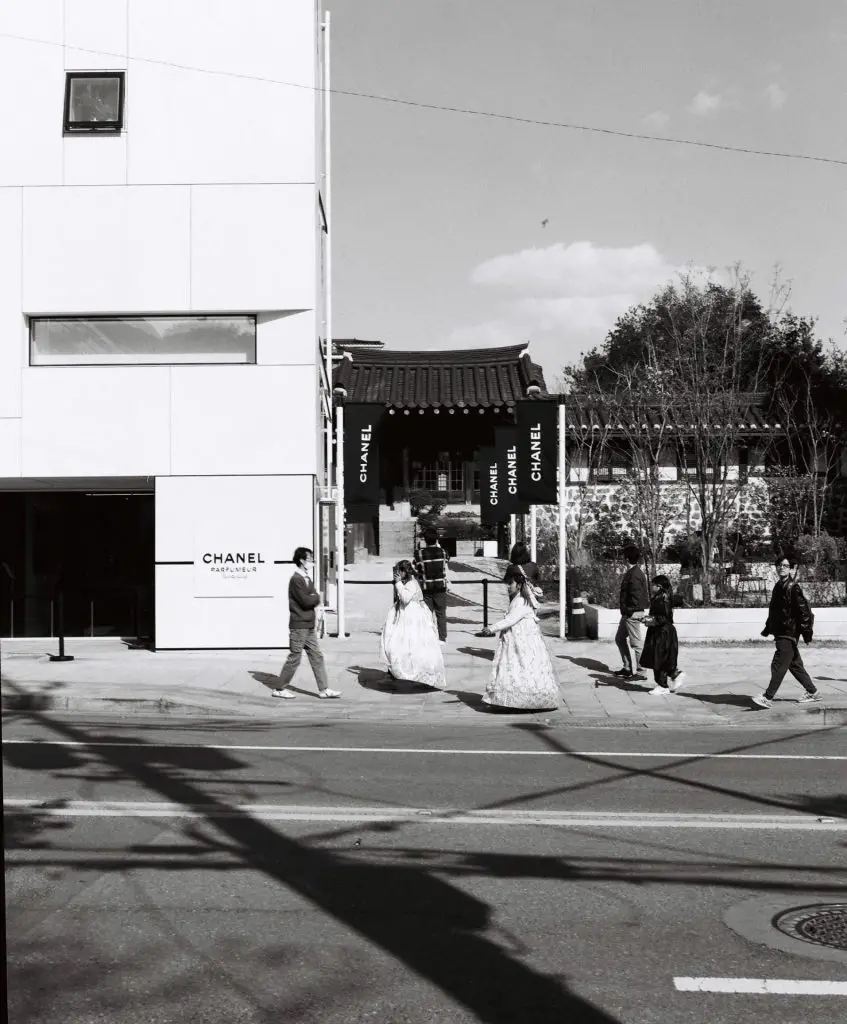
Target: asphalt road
x=249 y=872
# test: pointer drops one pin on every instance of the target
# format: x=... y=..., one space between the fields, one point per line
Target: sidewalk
x=109 y=677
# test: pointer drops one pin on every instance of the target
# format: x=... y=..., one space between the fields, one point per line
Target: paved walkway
x=108 y=675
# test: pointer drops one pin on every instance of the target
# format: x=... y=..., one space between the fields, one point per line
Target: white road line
x=762 y=986
x=433 y=750
x=438 y=815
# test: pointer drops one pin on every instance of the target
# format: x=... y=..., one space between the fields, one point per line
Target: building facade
x=163 y=403
x=438 y=409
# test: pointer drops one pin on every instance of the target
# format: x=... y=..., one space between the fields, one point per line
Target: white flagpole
x=563 y=536
x=339 y=517
x=328 y=245
x=533 y=539
x=513 y=530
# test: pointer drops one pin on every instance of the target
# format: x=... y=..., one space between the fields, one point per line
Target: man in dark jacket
x=303 y=607
x=634 y=601
x=431 y=567
x=789 y=618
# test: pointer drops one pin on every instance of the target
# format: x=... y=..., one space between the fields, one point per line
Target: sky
x=458 y=231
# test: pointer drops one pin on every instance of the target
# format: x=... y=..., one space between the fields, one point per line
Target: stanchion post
x=563 y=536
x=485 y=604
x=60 y=607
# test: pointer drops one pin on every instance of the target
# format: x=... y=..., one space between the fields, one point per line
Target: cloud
x=705 y=103
x=564 y=298
x=776 y=96
x=657 y=119
x=578 y=270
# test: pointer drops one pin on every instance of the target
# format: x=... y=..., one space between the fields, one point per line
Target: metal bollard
x=60 y=608
x=485 y=604
x=577 y=630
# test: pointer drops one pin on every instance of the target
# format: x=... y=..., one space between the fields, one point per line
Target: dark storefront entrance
x=97 y=549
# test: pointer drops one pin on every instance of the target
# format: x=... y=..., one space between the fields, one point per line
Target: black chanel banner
x=361 y=455
x=506 y=452
x=538 y=436
x=490 y=504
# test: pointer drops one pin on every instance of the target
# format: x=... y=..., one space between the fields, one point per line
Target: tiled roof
x=461 y=378
x=584 y=413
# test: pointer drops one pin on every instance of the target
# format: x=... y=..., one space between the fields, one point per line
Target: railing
x=83 y=604
x=485 y=583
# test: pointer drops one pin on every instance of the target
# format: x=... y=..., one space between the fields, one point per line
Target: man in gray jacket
x=634 y=602
x=303 y=605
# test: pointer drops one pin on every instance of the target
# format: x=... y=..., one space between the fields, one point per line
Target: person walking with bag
x=789 y=618
x=304 y=606
x=634 y=600
x=431 y=569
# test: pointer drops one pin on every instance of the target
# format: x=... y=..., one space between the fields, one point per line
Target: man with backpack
x=431 y=568
x=789 y=618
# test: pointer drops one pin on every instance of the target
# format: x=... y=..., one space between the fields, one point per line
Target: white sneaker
x=443 y=643
x=678 y=681
x=761 y=700
x=658 y=691
x=285 y=693
x=327 y=693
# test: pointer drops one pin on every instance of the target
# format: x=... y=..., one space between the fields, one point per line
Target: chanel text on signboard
x=535 y=453
x=512 y=469
x=363 y=453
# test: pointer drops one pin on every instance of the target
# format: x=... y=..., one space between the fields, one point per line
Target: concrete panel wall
x=95 y=35
x=718 y=624
x=206 y=101
x=106 y=250
x=253 y=247
x=271 y=515
x=12 y=326
x=109 y=421
x=243 y=420
x=31 y=67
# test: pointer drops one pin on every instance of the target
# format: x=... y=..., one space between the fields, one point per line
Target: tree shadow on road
x=437 y=930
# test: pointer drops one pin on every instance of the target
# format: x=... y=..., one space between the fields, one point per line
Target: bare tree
x=810 y=454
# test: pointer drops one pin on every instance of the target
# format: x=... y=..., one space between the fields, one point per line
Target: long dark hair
x=406 y=571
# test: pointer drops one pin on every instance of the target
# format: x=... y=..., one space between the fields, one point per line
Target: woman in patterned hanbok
x=522 y=676
x=409 y=643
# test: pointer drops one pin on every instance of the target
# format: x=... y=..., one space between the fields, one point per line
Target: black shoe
x=624 y=673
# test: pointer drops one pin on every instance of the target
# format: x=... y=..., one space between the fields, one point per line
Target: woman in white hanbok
x=409 y=643
x=522 y=677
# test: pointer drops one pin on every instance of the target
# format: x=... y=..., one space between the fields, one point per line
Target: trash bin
x=576 y=623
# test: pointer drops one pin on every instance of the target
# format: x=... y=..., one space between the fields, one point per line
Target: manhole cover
x=824 y=924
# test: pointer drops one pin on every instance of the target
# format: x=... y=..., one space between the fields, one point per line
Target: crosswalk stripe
x=762 y=986
x=429 y=750
x=429 y=815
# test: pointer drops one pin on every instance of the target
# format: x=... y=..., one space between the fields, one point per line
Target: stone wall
x=586 y=505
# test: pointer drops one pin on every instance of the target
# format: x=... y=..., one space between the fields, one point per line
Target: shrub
x=457 y=525
x=600 y=580
x=823 y=553
x=426 y=502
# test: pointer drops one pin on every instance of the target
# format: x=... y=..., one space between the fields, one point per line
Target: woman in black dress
x=661 y=645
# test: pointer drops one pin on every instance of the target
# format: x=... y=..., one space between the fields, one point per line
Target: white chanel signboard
x=226 y=569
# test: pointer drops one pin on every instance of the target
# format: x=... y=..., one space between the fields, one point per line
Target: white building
x=162 y=398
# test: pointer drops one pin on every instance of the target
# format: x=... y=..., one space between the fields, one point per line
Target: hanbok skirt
x=522 y=676
x=409 y=645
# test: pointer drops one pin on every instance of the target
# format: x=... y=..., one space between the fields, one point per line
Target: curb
x=811 y=718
